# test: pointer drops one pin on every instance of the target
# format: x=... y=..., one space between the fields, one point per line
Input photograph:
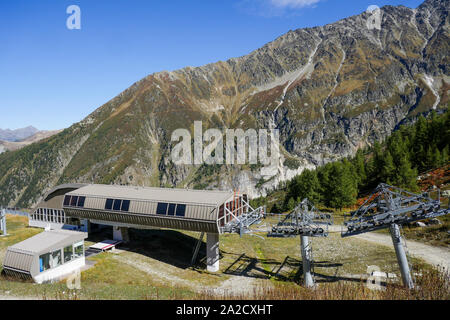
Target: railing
x=240 y=219
x=14 y=211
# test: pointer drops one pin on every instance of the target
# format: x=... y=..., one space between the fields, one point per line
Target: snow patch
x=430 y=83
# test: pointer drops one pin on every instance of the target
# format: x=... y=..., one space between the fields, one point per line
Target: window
x=78 y=250
x=161 y=208
x=66 y=200
x=171 y=211
x=117 y=204
x=56 y=258
x=73 y=201
x=44 y=262
x=68 y=253
x=125 y=205
x=181 y=210
x=81 y=201
x=109 y=203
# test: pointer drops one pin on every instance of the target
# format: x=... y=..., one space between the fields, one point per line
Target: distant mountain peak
x=17 y=134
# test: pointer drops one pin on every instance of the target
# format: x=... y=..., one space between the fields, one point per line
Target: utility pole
x=3 y=222
x=401 y=256
x=306 y=259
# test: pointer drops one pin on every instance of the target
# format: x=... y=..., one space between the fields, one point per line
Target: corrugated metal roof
x=63 y=186
x=18 y=260
x=45 y=240
x=205 y=197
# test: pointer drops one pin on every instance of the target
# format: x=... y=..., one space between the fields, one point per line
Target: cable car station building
x=47 y=256
x=124 y=207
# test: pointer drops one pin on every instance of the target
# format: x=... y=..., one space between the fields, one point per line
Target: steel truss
x=391 y=205
x=241 y=224
x=304 y=220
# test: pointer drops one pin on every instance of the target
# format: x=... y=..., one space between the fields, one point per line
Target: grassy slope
x=156 y=266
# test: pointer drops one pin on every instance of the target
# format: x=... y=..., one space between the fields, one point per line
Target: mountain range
x=329 y=90
x=17 y=134
x=17 y=144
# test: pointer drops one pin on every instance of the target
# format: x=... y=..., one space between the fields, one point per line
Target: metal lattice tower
x=304 y=221
x=391 y=207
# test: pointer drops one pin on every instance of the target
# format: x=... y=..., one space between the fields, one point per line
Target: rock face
x=329 y=90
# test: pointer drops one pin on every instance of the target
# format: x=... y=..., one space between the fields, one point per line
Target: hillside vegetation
x=410 y=150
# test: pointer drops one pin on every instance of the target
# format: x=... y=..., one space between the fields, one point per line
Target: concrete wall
x=61 y=271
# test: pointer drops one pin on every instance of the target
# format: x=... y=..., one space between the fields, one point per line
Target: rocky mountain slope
x=329 y=90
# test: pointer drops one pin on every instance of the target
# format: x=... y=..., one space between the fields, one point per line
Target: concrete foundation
x=120 y=234
x=212 y=252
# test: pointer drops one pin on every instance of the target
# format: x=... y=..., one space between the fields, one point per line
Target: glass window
x=44 y=262
x=73 y=201
x=161 y=208
x=109 y=203
x=117 y=204
x=66 y=200
x=56 y=258
x=171 y=210
x=181 y=210
x=81 y=201
x=78 y=250
x=125 y=205
x=68 y=253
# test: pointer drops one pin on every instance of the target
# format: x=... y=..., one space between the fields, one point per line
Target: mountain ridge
x=17 y=134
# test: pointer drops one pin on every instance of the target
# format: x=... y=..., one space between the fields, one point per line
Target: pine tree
x=436 y=158
x=291 y=204
x=308 y=186
x=342 y=186
x=388 y=170
x=360 y=167
x=406 y=176
x=444 y=156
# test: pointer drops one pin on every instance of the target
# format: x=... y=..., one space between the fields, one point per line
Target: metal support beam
x=306 y=259
x=401 y=256
x=197 y=248
x=212 y=252
x=3 y=222
x=120 y=234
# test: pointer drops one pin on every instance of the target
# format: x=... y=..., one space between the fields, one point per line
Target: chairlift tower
x=306 y=221
x=390 y=207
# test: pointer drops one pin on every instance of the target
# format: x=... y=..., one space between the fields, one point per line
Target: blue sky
x=51 y=77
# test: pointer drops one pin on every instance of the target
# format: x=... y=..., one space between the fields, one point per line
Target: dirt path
x=234 y=285
x=437 y=256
